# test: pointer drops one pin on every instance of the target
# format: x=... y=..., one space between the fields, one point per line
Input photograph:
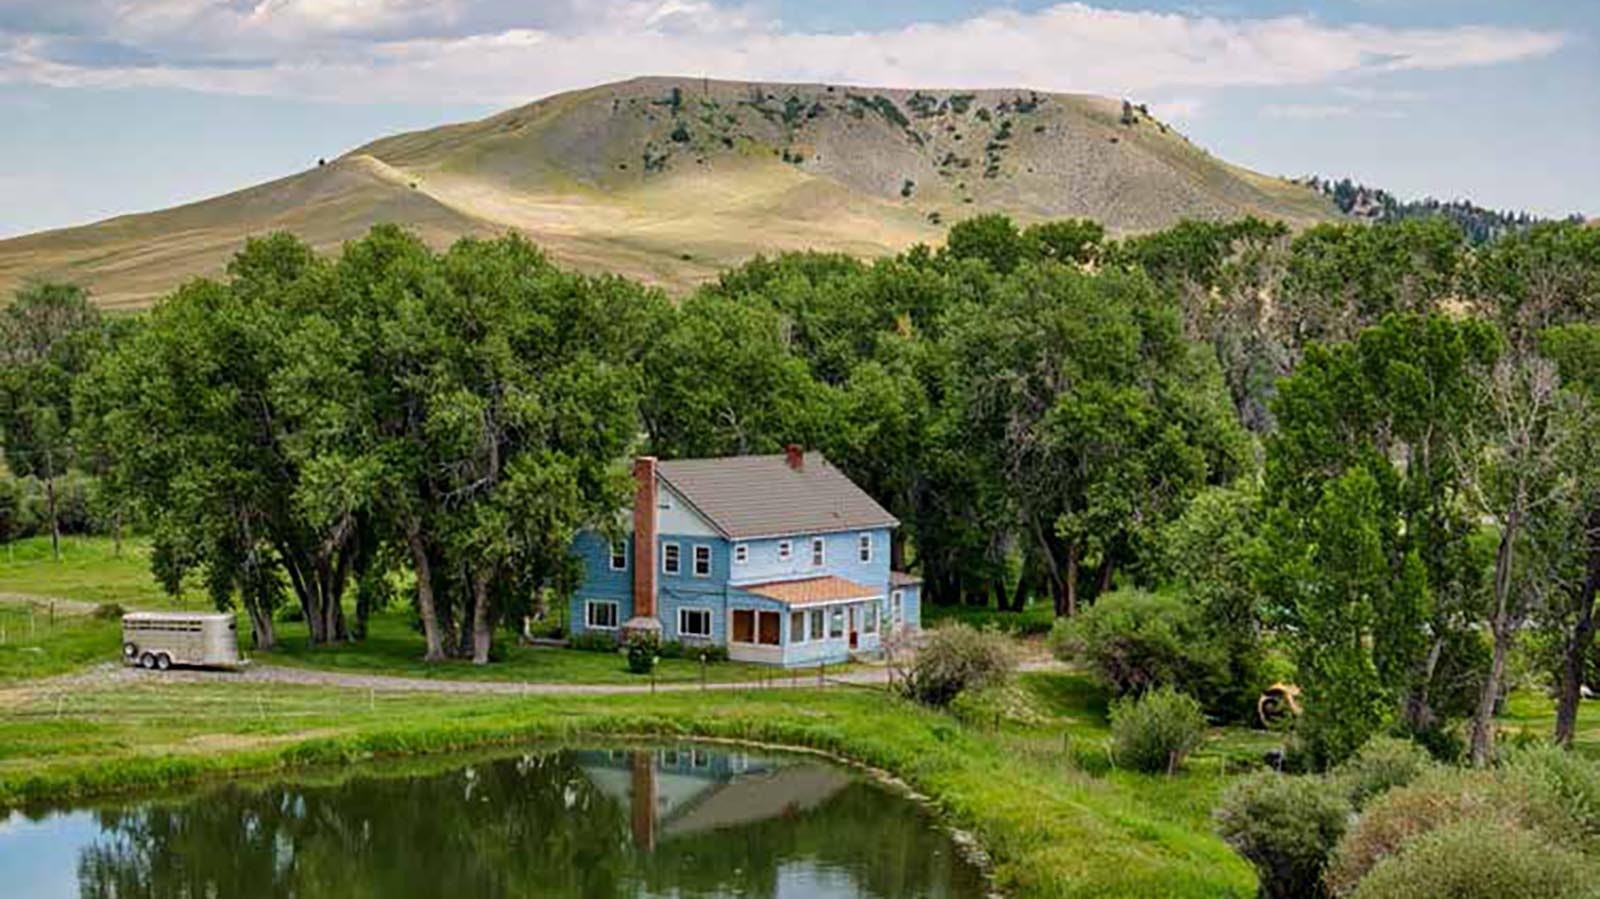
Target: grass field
x=90 y=570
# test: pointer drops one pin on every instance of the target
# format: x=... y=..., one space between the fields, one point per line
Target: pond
x=683 y=821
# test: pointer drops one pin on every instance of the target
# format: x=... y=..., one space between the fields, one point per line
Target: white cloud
x=502 y=51
x=1307 y=110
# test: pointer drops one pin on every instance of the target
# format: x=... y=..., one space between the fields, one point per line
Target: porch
x=804 y=622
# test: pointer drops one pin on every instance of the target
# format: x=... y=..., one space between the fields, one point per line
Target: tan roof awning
x=813 y=591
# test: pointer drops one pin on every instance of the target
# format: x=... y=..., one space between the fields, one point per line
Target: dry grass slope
x=671 y=179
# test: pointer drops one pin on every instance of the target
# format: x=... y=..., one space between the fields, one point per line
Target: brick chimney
x=644 y=537
x=796 y=456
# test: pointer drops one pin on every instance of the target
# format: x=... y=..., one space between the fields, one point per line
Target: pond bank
x=1050 y=829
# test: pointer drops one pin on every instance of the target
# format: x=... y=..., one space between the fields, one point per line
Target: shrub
x=1480 y=859
x=1133 y=641
x=1157 y=731
x=955 y=657
x=643 y=652
x=1379 y=766
x=109 y=611
x=1568 y=778
x=1287 y=827
x=593 y=641
x=1436 y=800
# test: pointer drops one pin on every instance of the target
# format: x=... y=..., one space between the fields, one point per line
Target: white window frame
x=897 y=606
x=694 y=560
x=819 y=624
x=682 y=632
x=619 y=550
x=671 y=562
x=785 y=550
x=797 y=635
x=589 y=605
x=741 y=553
x=869 y=623
x=864 y=547
x=819 y=552
x=836 y=623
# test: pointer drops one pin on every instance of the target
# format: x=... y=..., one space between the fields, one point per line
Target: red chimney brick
x=644 y=537
x=796 y=456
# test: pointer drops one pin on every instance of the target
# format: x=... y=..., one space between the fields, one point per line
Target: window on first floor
x=797 y=627
x=619 y=555
x=870 y=615
x=600 y=615
x=752 y=626
x=896 y=607
x=818 y=624
x=836 y=622
x=694 y=622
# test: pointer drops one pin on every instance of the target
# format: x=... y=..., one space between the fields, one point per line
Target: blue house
x=780 y=558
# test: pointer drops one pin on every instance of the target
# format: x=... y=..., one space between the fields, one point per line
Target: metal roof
x=762 y=496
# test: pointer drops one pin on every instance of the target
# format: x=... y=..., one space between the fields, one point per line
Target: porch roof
x=813 y=591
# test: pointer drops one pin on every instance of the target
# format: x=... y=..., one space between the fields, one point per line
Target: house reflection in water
x=682 y=791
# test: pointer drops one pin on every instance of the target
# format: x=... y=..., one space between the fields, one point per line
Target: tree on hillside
x=1545 y=276
x=50 y=335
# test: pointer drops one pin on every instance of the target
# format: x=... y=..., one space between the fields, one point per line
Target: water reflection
x=684 y=821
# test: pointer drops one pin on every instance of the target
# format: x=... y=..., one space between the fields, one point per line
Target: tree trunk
x=1483 y=721
x=1069 y=592
x=482 y=624
x=1580 y=642
x=426 y=608
x=264 y=638
x=116 y=533
x=1482 y=745
x=55 y=517
x=1019 y=598
x=897 y=550
x=1108 y=567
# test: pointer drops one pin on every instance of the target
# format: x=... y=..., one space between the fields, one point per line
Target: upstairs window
x=619 y=556
x=785 y=550
x=818 y=545
x=670 y=563
x=741 y=553
x=702 y=561
x=864 y=547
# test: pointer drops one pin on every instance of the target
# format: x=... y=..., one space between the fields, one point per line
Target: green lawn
x=90 y=570
x=34 y=644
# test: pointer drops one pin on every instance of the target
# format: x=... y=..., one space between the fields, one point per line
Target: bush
x=644 y=650
x=1287 y=827
x=1133 y=641
x=593 y=641
x=1568 y=778
x=955 y=657
x=1480 y=859
x=109 y=611
x=1157 y=731
x=1379 y=766
x=1439 y=799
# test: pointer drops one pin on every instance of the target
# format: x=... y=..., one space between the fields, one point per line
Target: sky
x=115 y=106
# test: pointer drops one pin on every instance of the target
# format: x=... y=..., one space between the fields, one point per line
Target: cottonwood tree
x=1098 y=417
x=1514 y=466
x=1391 y=408
x=1570 y=541
x=50 y=335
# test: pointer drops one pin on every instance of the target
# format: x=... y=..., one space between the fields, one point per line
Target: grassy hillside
x=671 y=179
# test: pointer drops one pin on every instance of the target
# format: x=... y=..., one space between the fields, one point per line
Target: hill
x=672 y=179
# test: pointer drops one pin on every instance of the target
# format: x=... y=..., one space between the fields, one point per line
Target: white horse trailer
x=160 y=640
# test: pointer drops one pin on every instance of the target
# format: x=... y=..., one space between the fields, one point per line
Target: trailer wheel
x=163 y=661
x=148 y=661
x=130 y=652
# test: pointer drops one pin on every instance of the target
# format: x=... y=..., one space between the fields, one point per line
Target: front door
x=853 y=623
